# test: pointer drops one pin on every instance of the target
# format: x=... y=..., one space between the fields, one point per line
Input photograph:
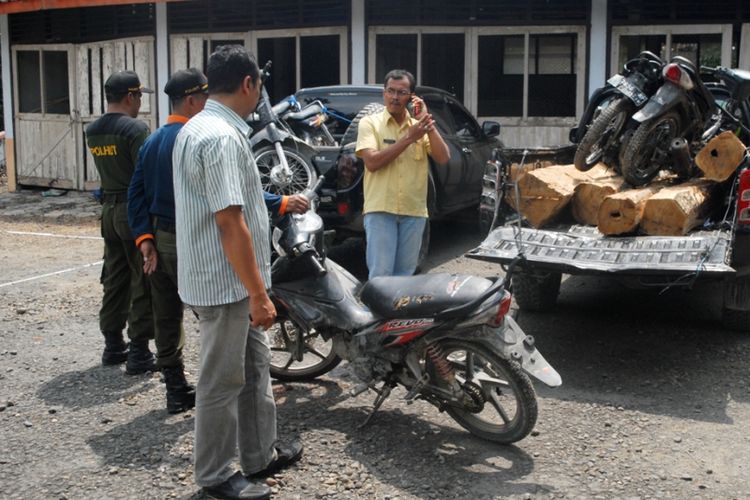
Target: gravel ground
x=655 y=401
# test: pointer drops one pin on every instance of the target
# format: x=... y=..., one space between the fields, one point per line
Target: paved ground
x=655 y=401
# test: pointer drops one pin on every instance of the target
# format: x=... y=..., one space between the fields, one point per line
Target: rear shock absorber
x=442 y=365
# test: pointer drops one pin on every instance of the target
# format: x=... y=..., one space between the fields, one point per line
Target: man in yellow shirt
x=395 y=147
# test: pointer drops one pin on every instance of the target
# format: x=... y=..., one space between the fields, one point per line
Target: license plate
x=628 y=89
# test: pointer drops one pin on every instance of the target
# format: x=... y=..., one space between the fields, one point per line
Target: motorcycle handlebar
x=319 y=269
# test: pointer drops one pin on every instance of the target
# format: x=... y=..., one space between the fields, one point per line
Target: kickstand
x=383 y=394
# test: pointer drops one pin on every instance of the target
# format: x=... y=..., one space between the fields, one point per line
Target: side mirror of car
x=490 y=128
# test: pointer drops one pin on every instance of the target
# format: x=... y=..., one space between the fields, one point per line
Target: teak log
x=621 y=212
x=675 y=210
x=589 y=196
x=546 y=191
x=720 y=157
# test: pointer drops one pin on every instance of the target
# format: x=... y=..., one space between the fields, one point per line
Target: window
x=551 y=83
x=465 y=125
x=707 y=45
x=43 y=81
x=282 y=54
x=435 y=59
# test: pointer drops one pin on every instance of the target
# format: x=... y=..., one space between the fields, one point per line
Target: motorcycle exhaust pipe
x=680 y=152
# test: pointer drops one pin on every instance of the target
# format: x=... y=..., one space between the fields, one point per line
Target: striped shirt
x=215 y=169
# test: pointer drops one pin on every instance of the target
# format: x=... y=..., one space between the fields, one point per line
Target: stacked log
x=720 y=157
x=622 y=212
x=675 y=210
x=588 y=198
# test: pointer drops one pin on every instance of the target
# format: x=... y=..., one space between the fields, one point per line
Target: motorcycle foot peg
x=358 y=389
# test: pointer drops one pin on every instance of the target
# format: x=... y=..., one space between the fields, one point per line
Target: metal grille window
x=435 y=59
x=43 y=82
x=537 y=69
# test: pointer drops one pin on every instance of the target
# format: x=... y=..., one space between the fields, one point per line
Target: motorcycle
x=283 y=159
x=628 y=91
x=732 y=97
x=447 y=339
x=680 y=108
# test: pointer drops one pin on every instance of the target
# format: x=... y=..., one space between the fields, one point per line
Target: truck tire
x=351 y=132
x=734 y=313
x=536 y=291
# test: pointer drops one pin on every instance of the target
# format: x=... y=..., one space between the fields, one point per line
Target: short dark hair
x=400 y=74
x=227 y=68
x=114 y=98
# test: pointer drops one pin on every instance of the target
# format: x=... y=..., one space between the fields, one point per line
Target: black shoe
x=115 y=349
x=140 y=359
x=286 y=455
x=180 y=394
x=237 y=487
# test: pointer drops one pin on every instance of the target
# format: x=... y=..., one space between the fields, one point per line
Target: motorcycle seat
x=421 y=296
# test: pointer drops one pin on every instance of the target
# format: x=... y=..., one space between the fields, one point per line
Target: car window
x=439 y=110
x=466 y=125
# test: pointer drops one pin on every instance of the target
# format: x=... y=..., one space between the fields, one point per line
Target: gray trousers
x=234 y=405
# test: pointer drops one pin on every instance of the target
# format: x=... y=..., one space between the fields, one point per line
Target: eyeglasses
x=395 y=92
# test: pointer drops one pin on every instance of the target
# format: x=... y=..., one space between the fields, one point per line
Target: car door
x=475 y=148
x=447 y=178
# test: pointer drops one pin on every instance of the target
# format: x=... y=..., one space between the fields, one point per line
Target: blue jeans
x=393 y=243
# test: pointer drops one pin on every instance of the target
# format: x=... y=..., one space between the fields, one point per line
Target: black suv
x=452 y=187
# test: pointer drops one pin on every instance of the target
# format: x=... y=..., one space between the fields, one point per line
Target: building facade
x=529 y=65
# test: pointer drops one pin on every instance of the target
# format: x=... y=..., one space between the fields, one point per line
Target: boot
x=115 y=349
x=140 y=359
x=180 y=394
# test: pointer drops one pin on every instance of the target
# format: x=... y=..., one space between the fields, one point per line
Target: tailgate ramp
x=584 y=250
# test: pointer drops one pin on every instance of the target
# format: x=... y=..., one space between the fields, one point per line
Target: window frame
x=40 y=49
x=669 y=30
x=471 y=48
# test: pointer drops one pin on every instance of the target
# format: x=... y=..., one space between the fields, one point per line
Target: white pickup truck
x=719 y=249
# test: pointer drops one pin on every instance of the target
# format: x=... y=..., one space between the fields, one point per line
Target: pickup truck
x=717 y=250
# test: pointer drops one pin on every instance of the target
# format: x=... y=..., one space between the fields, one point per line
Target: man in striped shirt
x=223 y=251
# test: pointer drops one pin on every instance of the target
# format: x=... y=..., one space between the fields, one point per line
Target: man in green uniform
x=114 y=141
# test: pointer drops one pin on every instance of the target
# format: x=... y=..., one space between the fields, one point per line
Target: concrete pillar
x=10 y=163
x=358 y=42
x=598 y=46
x=162 y=62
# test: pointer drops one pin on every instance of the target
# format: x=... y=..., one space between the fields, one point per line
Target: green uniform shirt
x=114 y=141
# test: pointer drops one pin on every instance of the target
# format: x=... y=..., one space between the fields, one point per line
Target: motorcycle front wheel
x=274 y=179
x=503 y=404
x=296 y=355
x=647 y=151
x=603 y=133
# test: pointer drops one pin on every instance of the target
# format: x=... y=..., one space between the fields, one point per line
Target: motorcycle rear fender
x=519 y=347
x=666 y=98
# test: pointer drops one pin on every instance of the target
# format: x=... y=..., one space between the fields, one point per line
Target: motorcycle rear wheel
x=318 y=356
x=303 y=175
x=510 y=408
x=647 y=151
x=603 y=133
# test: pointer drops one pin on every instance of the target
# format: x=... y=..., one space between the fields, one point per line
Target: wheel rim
x=655 y=153
x=502 y=404
x=279 y=180
x=284 y=353
x=608 y=137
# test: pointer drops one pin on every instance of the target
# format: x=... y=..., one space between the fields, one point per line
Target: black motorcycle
x=680 y=108
x=445 y=338
x=612 y=107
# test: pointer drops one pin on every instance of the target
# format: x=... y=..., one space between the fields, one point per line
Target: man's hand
x=425 y=125
x=297 y=204
x=150 y=256
x=262 y=311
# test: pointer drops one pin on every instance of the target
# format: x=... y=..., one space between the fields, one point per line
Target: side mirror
x=490 y=128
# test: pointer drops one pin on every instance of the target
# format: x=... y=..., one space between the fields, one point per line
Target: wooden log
x=720 y=157
x=675 y=210
x=546 y=191
x=621 y=212
x=589 y=196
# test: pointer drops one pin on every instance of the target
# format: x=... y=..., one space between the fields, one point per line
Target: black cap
x=123 y=82
x=185 y=82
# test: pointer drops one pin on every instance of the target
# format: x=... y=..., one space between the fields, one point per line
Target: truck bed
x=576 y=249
